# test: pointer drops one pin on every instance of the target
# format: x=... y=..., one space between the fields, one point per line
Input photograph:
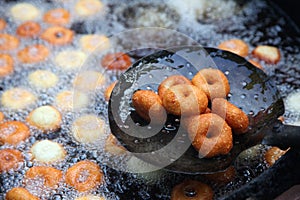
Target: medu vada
x=28 y=29
x=185 y=100
x=236 y=46
x=213 y=82
x=192 y=190
x=210 y=135
x=10 y=159
x=149 y=106
x=84 y=176
x=171 y=81
x=234 y=116
x=50 y=175
x=19 y=193
x=57 y=35
x=13 y=132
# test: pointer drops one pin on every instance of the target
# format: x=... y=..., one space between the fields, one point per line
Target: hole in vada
x=59 y=34
x=190 y=192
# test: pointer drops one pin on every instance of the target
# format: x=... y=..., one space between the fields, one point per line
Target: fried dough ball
x=70 y=59
x=116 y=61
x=109 y=90
x=47 y=151
x=85 y=8
x=2 y=24
x=234 y=116
x=71 y=100
x=58 y=16
x=236 y=46
x=90 y=197
x=19 y=193
x=57 y=35
x=29 y=29
x=88 y=81
x=1 y=116
x=185 y=100
x=94 y=42
x=269 y=54
x=43 y=79
x=8 y=42
x=88 y=129
x=10 y=159
x=223 y=177
x=45 y=118
x=84 y=176
x=148 y=105
x=113 y=146
x=171 y=81
x=24 y=12
x=17 y=98
x=6 y=65
x=33 y=54
x=51 y=176
x=210 y=135
x=192 y=190
x=213 y=82
x=273 y=154
x=13 y=132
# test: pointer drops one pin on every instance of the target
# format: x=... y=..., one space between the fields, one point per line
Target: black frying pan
x=251 y=90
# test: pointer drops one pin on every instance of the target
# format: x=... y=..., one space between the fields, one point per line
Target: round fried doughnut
x=109 y=90
x=2 y=24
x=90 y=197
x=24 y=12
x=236 y=46
x=210 y=135
x=1 y=116
x=86 y=8
x=8 y=42
x=29 y=29
x=273 y=154
x=57 y=16
x=223 y=177
x=213 y=82
x=47 y=151
x=89 y=128
x=192 y=190
x=6 y=65
x=84 y=176
x=13 y=132
x=17 y=98
x=88 y=81
x=185 y=100
x=45 y=118
x=94 y=42
x=71 y=100
x=113 y=146
x=10 y=159
x=57 y=35
x=116 y=61
x=234 y=116
x=33 y=54
x=51 y=176
x=171 y=81
x=70 y=59
x=42 y=79
x=19 y=193
x=149 y=106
